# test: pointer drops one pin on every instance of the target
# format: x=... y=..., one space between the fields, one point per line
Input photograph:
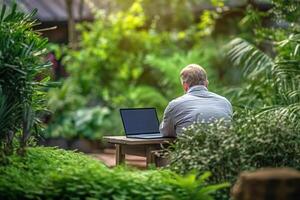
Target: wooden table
x=137 y=147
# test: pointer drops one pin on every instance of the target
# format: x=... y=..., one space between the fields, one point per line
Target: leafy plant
x=73 y=175
x=273 y=83
x=273 y=74
x=258 y=69
x=195 y=185
x=22 y=94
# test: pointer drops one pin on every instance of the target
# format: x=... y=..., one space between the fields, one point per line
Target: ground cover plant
x=48 y=173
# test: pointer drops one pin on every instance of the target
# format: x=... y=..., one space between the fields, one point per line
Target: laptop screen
x=139 y=120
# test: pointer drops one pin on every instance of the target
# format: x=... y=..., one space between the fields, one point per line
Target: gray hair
x=193 y=74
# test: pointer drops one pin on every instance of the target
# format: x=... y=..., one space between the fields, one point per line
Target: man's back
x=197 y=105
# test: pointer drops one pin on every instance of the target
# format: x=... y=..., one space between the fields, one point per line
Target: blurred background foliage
x=270 y=62
x=131 y=56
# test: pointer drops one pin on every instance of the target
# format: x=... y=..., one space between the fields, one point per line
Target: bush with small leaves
x=248 y=143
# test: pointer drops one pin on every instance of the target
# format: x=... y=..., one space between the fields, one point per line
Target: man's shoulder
x=187 y=97
x=220 y=97
x=178 y=100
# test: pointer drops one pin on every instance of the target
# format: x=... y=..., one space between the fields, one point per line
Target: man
x=197 y=105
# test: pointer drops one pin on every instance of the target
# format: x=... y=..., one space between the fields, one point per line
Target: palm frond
x=253 y=60
x=7 y=115
x=28 y=122
x=289 y=112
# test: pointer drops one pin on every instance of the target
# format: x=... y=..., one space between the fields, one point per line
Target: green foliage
x=115 y=47
x=170 y=67
x=257 y=68
x=247 y=144
x=65 y=97
x=272 y=83
x=287 y=10
x=172 y=14
x=22 y=83
x=194 y=185
x=83 y=123
x=48 y=173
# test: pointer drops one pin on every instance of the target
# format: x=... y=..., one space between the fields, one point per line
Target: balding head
x=192 y=75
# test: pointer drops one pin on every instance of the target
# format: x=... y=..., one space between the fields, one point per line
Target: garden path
x=108 y=156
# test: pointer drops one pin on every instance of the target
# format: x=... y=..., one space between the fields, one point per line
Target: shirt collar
x=197 y=88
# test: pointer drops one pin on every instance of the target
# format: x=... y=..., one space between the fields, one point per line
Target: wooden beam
x=71 y=24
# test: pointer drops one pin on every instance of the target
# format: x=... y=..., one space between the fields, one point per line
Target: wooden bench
x=137 y=147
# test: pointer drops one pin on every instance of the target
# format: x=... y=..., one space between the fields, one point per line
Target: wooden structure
x=62 y=14
x=137 y=147
x=268 y=184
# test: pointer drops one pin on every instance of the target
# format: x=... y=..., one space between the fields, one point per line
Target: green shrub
x=22 y=78
x=247 y=144
x=48 y=173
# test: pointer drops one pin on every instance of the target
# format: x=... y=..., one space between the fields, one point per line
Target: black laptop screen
x=140 y=121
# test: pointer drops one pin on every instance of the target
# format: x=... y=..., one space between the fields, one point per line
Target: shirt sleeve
x=230 y=109
x=167 y=127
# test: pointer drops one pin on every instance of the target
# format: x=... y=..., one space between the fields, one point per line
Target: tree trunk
x=268 y=184
x=80 y=10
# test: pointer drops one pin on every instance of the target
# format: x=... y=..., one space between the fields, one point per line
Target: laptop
x=140 y=123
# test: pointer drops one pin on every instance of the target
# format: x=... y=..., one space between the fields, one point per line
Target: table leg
x=120 y=157
x=149 y=157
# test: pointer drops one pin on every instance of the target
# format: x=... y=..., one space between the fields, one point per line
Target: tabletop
x=136 y=141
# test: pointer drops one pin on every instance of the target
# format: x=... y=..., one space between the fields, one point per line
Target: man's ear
x=186 y=87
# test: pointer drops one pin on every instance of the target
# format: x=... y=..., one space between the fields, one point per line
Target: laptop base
x=146 y=136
